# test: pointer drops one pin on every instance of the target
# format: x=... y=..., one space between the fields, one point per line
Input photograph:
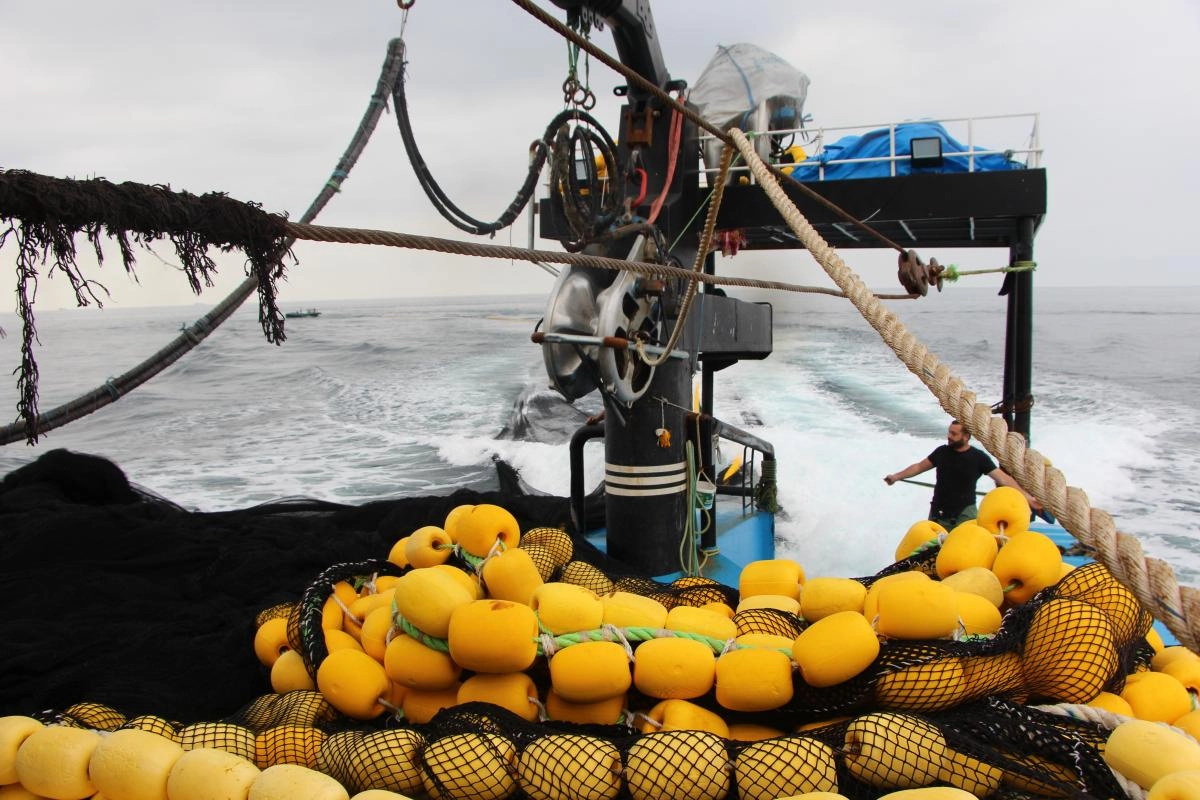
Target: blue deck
x=741 y=538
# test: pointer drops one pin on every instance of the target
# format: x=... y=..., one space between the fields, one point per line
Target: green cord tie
x=953 y=273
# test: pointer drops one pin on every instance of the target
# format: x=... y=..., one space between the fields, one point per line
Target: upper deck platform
x=964 y=202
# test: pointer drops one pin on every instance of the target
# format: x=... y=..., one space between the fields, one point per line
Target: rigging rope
x=322 y=233
x=1151 y=579
x=191 y=336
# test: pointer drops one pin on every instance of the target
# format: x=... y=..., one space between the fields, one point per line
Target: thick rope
x=1151 y=579
x=710 y=224
x=322 y=233
x=114 y=388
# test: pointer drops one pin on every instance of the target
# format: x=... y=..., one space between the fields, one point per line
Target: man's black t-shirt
x=957 y=474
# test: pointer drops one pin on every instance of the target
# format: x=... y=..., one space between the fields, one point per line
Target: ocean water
x=405 y=397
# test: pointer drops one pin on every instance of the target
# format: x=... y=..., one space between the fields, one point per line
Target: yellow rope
x=1151 y=579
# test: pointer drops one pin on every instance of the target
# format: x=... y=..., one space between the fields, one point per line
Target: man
x=959 y=466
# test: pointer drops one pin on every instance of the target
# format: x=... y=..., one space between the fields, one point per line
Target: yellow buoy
x=919 y=534
x=270 y=640
x=14 y=730
x=514 y=691
x=450 y=525
x=289 y=782
x=683 y=715
x=297 y=745
x=465 y=578
x=1025 y=565
x=482 y=766
x=494 y=636
x=511 y=575
x=932 y=686
x=977 y=615
x=824 y=596
x=628 y=610
x=968 y=545
x=414 y=665
x=894 y=751
x=1115 y=704
x=428 y=547
x=785 y=767
x=779 y=602
x=421 y=705
x=771 y=576
x=871 y=601
x=158 y=725
x=689 y=764
x=388 y=760
x=398 y=555
x=753 y=679
x=752 y=732
x=1069 y=650
x=555 y=541
x=671 y=667
x=570 y=767
x=289 y=674
x=427 y=598
x=590 y=671
x=567 y=608
x=53 y=762
x=133 y=765
x=480 y=529
x=1004 y=510
x=353 y=682
x=977 y=580
x=702 y=621
x=1156 y=696
x=608 y=711
x=224 y=736
x=375 y=630
x=835 y=649
x=916 y=610
x=337 y=639
x=205 y=774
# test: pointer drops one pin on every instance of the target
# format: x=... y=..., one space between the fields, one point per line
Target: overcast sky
x=258 y=99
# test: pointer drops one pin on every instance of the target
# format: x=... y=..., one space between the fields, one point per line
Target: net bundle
x=932 y=712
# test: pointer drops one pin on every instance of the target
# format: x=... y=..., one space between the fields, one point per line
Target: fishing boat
x=671 y=654
x=307 y=312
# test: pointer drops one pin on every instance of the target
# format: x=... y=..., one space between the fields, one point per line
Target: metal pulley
x=589 y=306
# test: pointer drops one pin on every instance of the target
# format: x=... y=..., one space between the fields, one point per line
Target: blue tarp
x=875 y=144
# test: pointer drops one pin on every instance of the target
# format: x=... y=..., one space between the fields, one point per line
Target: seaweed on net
x=44 y=214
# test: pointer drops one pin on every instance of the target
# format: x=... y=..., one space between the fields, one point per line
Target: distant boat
x=308 y=312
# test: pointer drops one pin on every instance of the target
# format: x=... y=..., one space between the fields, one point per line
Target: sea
x=391 y=398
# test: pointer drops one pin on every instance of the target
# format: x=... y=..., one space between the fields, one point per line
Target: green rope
x=953 y=273
x=433 y=643
x=638 y=634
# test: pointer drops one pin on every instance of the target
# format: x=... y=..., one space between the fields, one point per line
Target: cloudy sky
x=258 y=99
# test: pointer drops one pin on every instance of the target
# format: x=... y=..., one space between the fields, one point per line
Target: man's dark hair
x=966 y=432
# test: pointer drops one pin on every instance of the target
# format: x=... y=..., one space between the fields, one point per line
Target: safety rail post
x=580 y=438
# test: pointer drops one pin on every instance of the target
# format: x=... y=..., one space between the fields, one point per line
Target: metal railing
x=814 y=141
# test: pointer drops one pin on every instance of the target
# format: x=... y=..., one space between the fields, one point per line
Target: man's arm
x=924 y=465
x=1002 y=478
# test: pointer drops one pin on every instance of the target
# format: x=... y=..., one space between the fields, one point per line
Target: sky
x=259 y=99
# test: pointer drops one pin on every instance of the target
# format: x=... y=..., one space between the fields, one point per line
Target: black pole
x=1023 y=285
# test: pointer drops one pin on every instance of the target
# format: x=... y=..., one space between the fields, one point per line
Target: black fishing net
x=146 y=610
x=43 y=215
